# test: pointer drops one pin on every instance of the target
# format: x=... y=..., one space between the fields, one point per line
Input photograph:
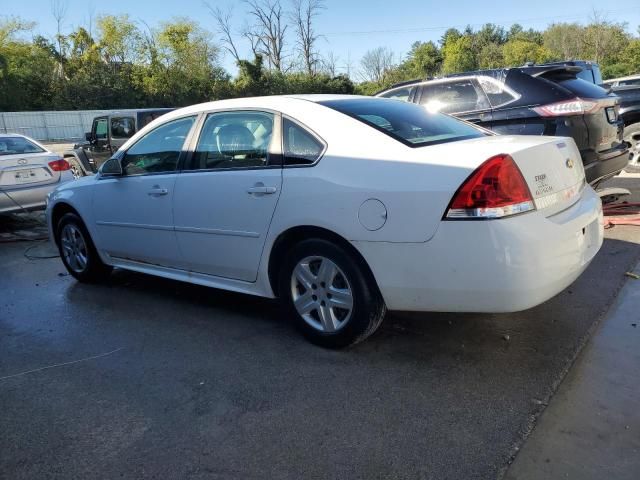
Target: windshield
x=408 y=123
x=17 y=145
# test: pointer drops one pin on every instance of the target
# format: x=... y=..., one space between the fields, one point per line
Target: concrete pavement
x=591 y=429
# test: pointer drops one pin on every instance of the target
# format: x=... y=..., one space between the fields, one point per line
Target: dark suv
x=108 y=133
x=532 y=100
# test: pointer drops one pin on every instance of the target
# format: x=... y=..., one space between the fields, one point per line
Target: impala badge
x=569 y=163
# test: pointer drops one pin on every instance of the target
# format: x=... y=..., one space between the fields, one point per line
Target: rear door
x=227 y=193
x=461 y=97
x=24 y=163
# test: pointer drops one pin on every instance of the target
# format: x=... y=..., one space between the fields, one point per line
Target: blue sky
x=349 y=27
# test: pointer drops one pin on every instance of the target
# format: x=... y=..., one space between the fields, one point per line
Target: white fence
x=50 y=126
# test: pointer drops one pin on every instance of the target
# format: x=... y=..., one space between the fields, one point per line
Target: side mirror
x=88 y=136
x=111 y=168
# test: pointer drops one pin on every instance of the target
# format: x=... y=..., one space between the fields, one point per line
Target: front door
x=99 y=150
x=226 y=195
x=133 y=212
x=462 y=98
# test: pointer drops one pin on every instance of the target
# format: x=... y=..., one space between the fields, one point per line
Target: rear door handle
x=262 y=189
x=156 y=191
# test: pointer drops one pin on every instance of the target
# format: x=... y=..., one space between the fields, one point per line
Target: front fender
x=82 y=158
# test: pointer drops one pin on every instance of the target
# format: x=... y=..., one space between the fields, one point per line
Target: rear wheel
x=77 y=251
x=331 y=296
x=632 y=137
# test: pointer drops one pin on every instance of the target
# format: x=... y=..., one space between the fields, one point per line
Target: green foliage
x=458 y=55
x=177 y=63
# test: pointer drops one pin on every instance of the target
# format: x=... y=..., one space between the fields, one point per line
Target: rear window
x=17 y=145
x=581 y=88
x=408 y=123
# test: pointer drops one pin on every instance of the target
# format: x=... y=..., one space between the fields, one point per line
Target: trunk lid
x=551 y=166
x=19 y=170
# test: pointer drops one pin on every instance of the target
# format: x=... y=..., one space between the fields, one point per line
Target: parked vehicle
x=28 y=172
x=532 y=100
x=108 y=133
x=342 y=206
x=628 y=89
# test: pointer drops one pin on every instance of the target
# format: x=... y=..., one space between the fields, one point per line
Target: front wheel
x=77 y=251
x=330 y=294
x=76 y=169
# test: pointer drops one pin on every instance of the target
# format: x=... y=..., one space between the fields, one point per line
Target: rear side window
x=627 y=83
x=159 y=150
x=582 y=88
x=399 y=93
x=17 y=145
x=122 y=127
x=454 y=97
x=410 y=124
x=497 y=93
x=300 y=146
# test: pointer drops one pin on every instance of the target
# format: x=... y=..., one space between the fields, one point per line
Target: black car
x=532 y=100
x=108 y=133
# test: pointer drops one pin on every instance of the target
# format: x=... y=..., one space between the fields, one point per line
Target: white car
x=342 y=206
x=28 y=173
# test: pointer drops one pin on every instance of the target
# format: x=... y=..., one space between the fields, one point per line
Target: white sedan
x=342 y=206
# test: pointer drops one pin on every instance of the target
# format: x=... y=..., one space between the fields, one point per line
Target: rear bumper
x=600 y=166
x=496 y=266
x=28 y=197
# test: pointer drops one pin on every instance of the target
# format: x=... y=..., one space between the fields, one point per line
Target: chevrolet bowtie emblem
x=569 y=163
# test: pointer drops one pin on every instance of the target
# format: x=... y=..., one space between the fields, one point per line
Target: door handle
x=156 y=191
x=261 y=189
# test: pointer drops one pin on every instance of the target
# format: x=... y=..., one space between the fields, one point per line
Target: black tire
x=76 y=169
x=94 y=269
x=368 y=308
x=632 y=137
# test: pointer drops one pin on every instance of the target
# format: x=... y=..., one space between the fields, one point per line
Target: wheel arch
x=288 y=238
x=59 y=210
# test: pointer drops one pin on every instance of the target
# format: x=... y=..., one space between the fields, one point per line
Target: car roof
x=628 y=77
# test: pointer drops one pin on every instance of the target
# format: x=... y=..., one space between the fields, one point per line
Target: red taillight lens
x=575 y=106
x=59 y=165
x=496 y=189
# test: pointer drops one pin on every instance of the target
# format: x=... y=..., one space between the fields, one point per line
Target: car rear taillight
x=575 y=106
x=59 y=165
x=496 y=189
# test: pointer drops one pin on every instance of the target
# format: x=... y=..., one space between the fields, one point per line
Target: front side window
x=411 y=124
x=101 y=128
x=17 y=145
x=626 y=83
x=399 y=93
x=159 y=150
x=234 y=140
x=300 y=146
x=122 y=127
x=454 y=97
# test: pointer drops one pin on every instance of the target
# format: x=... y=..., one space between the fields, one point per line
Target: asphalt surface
x=150 y=378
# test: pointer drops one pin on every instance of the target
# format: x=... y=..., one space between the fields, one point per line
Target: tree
x=518 y=52
x=424 y=60
x=267 y=35
x=565 y=40
x=458 y=55
x=376 y=63
x=223 y=21
x=120 y=39
x=304 y=11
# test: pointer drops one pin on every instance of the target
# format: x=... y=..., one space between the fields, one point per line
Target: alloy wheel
x=633 y=139
x=74 y=248
x=321 y=294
